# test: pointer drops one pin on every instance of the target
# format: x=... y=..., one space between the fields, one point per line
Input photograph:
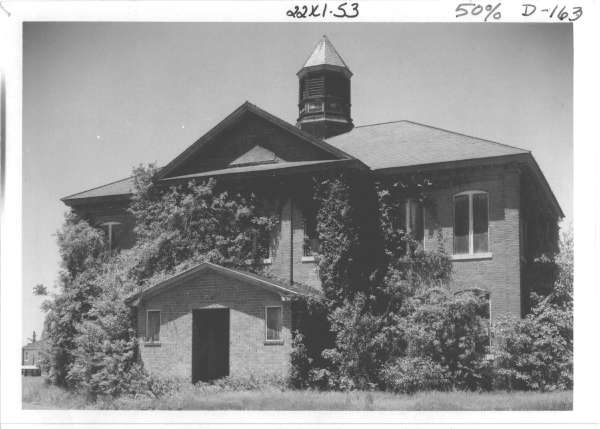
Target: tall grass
x=38 y=395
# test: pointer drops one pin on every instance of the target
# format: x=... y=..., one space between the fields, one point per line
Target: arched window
x=471 y=212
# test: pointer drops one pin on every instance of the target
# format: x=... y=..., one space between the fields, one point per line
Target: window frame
x=471 y=241
x=405 y=208
x=151 y=342
x=306 y=237
x=109 y=227
x=280 y=339
x=408 y=203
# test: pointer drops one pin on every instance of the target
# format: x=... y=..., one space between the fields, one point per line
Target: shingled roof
x=403 y=146
x=406 y=143
x=385 y=148
x=119 y=188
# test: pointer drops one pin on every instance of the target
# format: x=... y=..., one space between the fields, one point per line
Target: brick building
x=494 y=212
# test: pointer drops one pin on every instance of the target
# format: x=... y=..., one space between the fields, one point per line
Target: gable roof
x=118 y=189
x=236 y=116
x=284 y=289
x=405 y=143
x=325 y=54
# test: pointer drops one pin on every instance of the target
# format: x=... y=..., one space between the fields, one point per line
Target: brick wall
x=499 y=274
x=248 y=352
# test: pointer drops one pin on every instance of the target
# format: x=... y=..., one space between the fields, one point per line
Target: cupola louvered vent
x=314 y=87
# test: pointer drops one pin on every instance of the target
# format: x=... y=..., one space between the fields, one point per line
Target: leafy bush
x=311 y=335
x=532 y=355
x=451 y=330
x=360 y=346
x=411 y=374
x=536 y=352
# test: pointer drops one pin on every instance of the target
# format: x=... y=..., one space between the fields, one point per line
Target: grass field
x=38 y=395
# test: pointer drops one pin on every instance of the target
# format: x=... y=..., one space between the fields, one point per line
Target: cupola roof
x=325 y=55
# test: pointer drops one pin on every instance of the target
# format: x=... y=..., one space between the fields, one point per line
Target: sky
x=101 y=98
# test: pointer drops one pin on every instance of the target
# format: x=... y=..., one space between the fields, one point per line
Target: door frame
x=195 y=315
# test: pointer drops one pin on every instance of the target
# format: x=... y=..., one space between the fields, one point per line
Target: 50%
x=487 y=11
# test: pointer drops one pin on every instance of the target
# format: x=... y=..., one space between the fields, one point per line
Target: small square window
x=153 y=326
x=273 y=322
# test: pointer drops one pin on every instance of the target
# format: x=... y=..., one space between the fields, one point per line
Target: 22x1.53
x=321 y=10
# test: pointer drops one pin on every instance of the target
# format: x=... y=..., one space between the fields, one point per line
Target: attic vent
x=314 y=87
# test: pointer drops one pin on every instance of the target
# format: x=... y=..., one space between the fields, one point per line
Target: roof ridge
x=466 y=135
x=381 y=123
x=445 y=130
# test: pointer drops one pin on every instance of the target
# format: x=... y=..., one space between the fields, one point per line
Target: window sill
x=266 y=261
x=273 y=342
x=157 y=344
x=308 y=259
x=471 y=256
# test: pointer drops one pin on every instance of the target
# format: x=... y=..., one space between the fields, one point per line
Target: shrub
x=411 y=374
x=453 y=331
x=360 y=346
x=536 y=352
x=532 y=355
x=311 y=335
x=301 y=363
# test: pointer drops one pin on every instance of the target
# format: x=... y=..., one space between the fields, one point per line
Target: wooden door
x=210 y=344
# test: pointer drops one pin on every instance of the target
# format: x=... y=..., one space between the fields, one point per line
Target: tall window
x=153 y=326
x=261 y=246
x=273 y=323
x=112 y=230
x=311 y=238
x=471 y=222
x=409 y=218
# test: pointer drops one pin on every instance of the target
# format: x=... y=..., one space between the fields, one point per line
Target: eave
x=103 y=199
x=275 y=169
x=525 y=159
x=284 y=291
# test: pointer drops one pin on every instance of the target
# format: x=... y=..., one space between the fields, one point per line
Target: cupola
x=324 y=93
